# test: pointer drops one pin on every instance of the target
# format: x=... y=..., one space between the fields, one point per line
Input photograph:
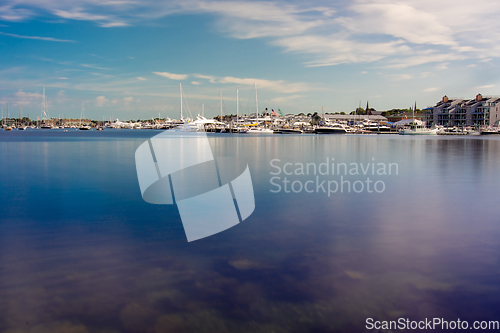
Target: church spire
x=368 y=112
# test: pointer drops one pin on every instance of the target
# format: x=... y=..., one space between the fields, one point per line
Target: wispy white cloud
x=105 y=21
x=78 y=15
x=49 y=39
x=443 y=66
x=172 y=76
x=9 y=12
x=101 y=101
x=274 y=85
x=431 y=89
x=421 y=59
x=339 y=49
x=486 y=86
x=247 y=19
x=114 y=24
x=141 y=78
x=94 y=67
x=399 y=20
x=210 y=78
x=25 y=98
x=397 y=34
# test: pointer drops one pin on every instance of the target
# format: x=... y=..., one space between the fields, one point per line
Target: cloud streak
x=274 y=85
x=48 y=39
x=172 y=76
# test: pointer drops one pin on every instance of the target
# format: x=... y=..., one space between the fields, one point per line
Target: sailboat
x=257 y=129
x=238 y=128
x=197 y=125
x=21 y=126
x=100 y=128
x=44 y=123
x=83 y=127
x=7 y=127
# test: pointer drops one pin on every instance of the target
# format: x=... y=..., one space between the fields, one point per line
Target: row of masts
x=7 y=111
x=221 y=105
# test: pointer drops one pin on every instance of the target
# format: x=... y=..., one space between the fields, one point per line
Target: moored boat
x=260 y=130
x=490 y=131
x=417 y=127
x=288 y=131
x=333 y=129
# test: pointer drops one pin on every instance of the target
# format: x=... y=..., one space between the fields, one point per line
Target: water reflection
x=81 y=252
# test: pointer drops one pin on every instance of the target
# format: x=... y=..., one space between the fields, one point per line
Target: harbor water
x=345 y=228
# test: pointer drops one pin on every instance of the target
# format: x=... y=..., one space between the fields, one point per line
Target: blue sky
x=126 y=58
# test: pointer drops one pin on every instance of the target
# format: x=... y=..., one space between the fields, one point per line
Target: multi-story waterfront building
x=480 y=111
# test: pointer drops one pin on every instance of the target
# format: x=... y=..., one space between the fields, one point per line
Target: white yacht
x=260 y=130
x=334 y=128
x=417 y=127
x=198 y=125
x=373 y=126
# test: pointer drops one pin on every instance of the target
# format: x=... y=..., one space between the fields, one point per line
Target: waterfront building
x=480 y=111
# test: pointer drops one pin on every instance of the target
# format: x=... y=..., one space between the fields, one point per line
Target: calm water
x=80 y=251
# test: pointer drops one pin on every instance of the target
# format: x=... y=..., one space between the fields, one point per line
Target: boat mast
x=256 y=101
x=220 y=94
x=180 y=91
x=81 y=113
x=359 y=119
x=237 y=107
x=413 y=115
x=354 y=115
x=43 y=104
